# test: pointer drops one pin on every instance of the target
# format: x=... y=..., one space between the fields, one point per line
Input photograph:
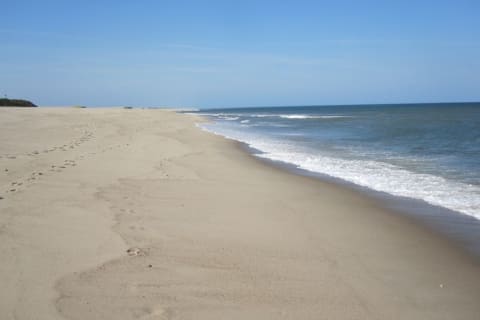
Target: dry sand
x=138 y=214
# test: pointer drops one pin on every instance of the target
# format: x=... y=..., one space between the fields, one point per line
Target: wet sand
x=138 y=214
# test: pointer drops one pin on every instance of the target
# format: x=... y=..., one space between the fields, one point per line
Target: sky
x=239 y=53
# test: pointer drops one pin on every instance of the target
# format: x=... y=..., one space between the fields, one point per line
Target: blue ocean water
x=429 y=152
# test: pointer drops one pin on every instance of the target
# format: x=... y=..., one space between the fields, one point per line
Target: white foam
x=388 y=178
x=297 y=116
x=375 y=175
x=305 y=116
x=229 y=118
x=294 y=116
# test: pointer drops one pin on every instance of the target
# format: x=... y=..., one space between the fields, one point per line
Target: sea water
x=429 y=152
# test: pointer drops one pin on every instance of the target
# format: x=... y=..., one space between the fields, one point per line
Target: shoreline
x=335 y=142
x=140 y=214
x=436 y=219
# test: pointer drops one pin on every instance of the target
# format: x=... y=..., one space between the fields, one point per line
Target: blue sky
x=239 y=53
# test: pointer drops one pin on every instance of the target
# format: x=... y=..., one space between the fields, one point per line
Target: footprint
x=70 y=163
x=136 y=252
x=156 y=312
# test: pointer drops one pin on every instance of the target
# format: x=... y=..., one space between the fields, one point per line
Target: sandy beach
x=139 y=214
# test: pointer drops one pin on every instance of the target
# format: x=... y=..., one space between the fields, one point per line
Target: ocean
x=426 y=152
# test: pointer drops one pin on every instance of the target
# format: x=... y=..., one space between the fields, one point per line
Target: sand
x=138 y=214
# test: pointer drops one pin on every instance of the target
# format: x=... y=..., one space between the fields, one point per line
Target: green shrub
x=4 y=102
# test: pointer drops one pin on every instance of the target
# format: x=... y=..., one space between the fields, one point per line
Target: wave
x=304 y=116
x=376 y=175
x=230 y=116
x=298 y=116
x=391 y=179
